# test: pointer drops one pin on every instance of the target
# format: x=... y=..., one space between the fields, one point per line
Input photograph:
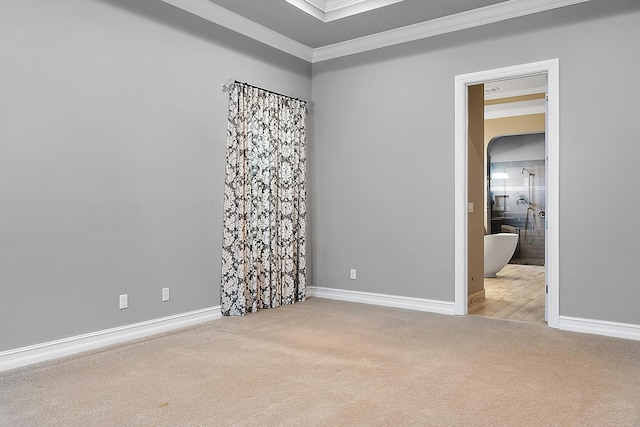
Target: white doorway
x=549 y=68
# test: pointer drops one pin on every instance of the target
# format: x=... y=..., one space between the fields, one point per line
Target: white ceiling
x=513 y=88
x=280 y=24
x=288 y=20
x=330 y=10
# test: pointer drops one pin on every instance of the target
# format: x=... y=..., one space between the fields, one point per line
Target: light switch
x=470 y=207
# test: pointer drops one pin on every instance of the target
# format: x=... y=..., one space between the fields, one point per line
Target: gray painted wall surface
x=383 y=157
x=112 y=160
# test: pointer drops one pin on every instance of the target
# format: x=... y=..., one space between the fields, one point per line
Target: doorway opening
x=538 y=218
x=515 y=200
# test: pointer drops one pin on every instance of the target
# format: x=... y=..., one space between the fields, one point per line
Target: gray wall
x=112 y=159
x=383 y=157
x=112 y=141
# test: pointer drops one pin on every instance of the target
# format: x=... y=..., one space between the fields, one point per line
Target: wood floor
x=517 y=293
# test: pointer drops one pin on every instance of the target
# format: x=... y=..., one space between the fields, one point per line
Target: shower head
x=523 y=171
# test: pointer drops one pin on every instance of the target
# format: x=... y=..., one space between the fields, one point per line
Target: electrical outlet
x=124 y=301
x=165 y=294
x=353 y=274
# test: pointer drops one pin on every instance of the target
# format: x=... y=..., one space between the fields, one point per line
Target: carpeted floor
x=333 y=363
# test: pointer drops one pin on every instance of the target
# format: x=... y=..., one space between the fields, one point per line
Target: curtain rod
x=227 y=87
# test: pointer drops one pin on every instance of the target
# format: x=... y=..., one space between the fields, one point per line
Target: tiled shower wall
x=509 y=199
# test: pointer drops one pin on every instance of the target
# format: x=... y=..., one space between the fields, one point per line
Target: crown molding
x=328 y=11
x=309 y=7
x=514 y=93
x=512 y=109
x=224 y=17
x=448 y=24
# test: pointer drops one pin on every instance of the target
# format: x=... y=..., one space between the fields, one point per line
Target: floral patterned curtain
x=264 y=240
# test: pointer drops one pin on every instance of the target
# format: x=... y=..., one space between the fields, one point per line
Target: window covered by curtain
x=264 y=241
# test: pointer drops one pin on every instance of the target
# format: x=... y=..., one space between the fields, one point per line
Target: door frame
x=551 y=69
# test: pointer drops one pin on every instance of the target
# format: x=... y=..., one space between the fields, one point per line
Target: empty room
x=240 y=212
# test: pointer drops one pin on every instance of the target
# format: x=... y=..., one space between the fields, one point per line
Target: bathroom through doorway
x=515 y=201
x=506 y=141
x=510 y=136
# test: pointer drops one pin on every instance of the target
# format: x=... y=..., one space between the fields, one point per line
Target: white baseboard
x=600 y=327
x=54 y=349
x=409 y=303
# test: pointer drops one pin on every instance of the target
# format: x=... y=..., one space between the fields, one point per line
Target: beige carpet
x=332 y=363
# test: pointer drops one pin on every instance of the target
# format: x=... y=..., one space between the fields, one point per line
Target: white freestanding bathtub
x=498 y=250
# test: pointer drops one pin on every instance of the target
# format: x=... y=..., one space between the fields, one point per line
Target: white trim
x=23 y=356
x=552 y=217
x=356 y=8
x=447 y=24
x=551 y=69
x=408 y=303
x=512 y=109
x=330 y=11
x=460 y=199
x=600 y=327
x=309 y=7
x=224 y=17
x=473 y=18
x=514 y=93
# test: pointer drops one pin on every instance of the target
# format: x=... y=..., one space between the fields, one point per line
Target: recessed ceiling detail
x=277 y=24
x=330 y=10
